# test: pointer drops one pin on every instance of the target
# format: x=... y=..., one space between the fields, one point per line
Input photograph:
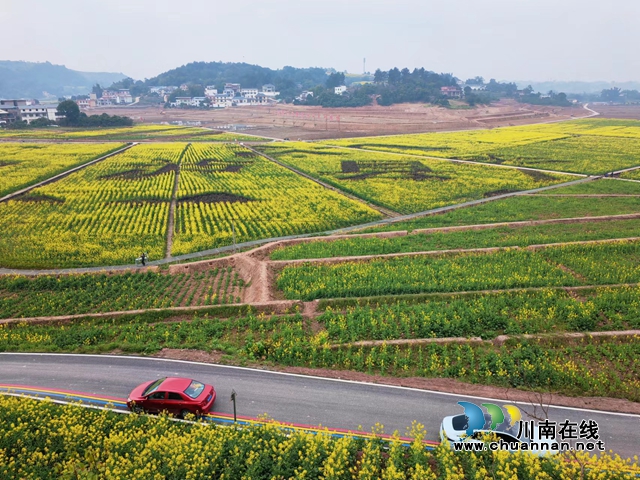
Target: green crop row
x=486 y=316
x=77 y=294
x=496 y=237
x=567 y=265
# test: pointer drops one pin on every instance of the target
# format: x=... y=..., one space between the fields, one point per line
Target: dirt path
x=59 y=176
x=172 y=207
x=499 y=340
x=586 y=195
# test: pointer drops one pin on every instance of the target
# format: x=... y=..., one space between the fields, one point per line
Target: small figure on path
x=143 y=258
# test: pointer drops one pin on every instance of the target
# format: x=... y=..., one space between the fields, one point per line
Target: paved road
x=284 y=397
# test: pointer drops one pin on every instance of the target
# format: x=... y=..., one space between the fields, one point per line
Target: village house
x=29 y=113
x=451 y=92
x=340 y=90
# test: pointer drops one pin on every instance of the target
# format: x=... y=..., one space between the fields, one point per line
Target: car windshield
x=194 y=389
x=153 y=387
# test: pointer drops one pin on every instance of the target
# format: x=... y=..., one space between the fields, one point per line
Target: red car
x=179 y=396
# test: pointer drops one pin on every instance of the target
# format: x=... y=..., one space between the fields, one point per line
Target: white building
x=210 y=91
x=249 y=92
x=303 y=96
x=340 y=90
x=29 y=113
x=269 y=90
x=118 y=97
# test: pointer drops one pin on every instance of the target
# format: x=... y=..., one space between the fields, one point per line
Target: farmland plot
x=24 y=164
x=570 y=265
x=107 y=213
x=592 y=147
x=406 y=184
x=226 y=187
x=77 y=294
x=137 y=132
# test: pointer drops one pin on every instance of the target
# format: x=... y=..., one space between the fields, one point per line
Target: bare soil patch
x=313 y=122
x=618 y=111
x=39 y=198
x=216 y=198
x=190 y=355
x=138 y=173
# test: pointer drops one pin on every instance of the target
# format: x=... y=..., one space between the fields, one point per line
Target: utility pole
x=364 y=65
x=233 y=230
x=233 y=399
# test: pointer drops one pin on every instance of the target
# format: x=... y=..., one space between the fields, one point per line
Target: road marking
x=297 y=375
x=35 y=393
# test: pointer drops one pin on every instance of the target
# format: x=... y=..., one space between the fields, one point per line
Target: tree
x=380 y=77
x=611 y=94
x=394 y=75
x=335 y=80
x=70 y=111
x=97 y=89
x=475 y=81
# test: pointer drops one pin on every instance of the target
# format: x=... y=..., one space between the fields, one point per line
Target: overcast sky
x=503 y=39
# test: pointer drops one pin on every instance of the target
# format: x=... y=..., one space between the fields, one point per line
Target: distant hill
x=576 y=87
x=287 y=80
x=40 y=80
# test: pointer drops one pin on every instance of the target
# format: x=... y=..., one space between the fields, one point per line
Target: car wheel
x=184 y=413
x=137 y=409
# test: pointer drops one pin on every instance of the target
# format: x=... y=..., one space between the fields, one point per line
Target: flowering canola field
x=23 y=164
x=137 y=132
x=591 y=146
x=222 y=186
x=406 y=184
x=105 y=214
x=42 y=440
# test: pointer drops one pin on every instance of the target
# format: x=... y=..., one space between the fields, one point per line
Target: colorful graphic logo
x=476 y=417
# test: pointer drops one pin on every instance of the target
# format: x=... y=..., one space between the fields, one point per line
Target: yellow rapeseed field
x=24 y=164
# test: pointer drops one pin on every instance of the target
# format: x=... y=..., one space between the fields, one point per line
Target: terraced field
x=568 y=265
x=372 y=316
x=541 y=206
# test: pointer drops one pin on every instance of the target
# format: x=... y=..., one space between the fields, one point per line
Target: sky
x=537 y=40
